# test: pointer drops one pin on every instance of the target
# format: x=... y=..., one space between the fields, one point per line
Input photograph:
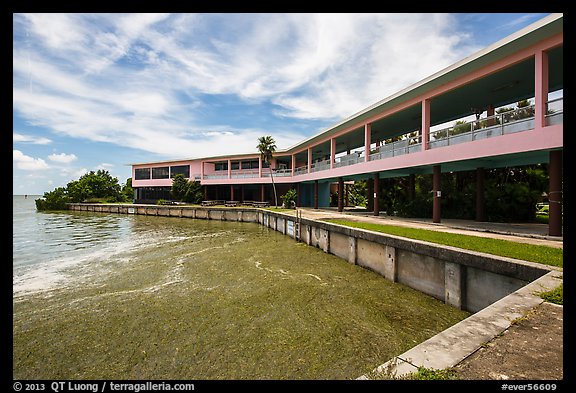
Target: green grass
x=527 y=252
x=554 y=296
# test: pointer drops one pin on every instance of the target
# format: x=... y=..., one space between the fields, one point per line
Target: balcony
x=408 y=143
x=518 y=120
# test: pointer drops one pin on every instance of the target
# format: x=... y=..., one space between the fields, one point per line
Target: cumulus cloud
x=62 y=158
x=142 y=80
x=27 y=163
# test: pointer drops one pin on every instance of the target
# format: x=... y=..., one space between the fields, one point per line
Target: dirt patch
x=532 y=348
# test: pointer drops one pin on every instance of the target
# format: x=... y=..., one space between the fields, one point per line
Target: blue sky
x=102 y=91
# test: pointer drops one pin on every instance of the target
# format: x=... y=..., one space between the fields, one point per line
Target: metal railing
x=349 y=159
x=320 y=166
x=301 y=170
x=408 y=144
x=518 y=120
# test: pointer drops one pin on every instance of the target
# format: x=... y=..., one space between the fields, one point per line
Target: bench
x=232 y=203
x=261 y=204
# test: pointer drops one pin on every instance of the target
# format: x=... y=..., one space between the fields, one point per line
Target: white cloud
x=62 y=158
x=27 y=163
x=16 y=137
x=139 y=79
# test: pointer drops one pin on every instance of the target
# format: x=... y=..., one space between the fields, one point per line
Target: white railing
x=283 y=172
x=301 y=170
x=209 y=177
x=349 y=159
x=244 y=173
x=320 y=166
x=555 y=112
x=518 y=120
x=408 y=144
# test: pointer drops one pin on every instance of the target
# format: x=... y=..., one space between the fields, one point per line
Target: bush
x=289 y=199
x=54 y=200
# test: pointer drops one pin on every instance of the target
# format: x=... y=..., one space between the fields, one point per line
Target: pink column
x=293 y=163
x=367 y=141
x=201 y=170
x=425 y=123
x=332 y=152
x=541 y=89
x=309 y=159
x=260 y=166
x=229 y=170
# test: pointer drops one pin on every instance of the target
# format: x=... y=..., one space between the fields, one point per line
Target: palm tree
x=267 y=148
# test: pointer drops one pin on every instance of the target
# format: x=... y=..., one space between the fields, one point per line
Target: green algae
x=221 y=301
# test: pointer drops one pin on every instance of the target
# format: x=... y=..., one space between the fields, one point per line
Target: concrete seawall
x=464 y=279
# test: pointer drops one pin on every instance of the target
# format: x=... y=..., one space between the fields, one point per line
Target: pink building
x=413 y=132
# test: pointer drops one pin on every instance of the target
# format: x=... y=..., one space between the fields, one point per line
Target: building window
x=160 y=172
x=250 y=164
x=180 y=170
x=235 y=165
x=221 y=166
x=142 y=173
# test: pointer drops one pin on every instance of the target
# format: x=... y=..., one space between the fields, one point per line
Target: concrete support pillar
x=376 y=178
x=231 y=192
x=437 y=193
x=242 y=193
x=202 y=170
x=205 y=192
x=261 y=192
x=293 y=164
x=480 y=203
x=370 y=196
x=352 y=250
x=340 y=194
x=489 y=113
x=229 y=169
x=367 y=141
x=332 y=152
x=390 y=264
x=309 y=159
x=455 y=285
x=541 y=89
x=260 y=166
x=555 y=193
x=425 y=126
x=315 y=194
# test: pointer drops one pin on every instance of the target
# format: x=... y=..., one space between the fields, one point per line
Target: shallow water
x=138 y=297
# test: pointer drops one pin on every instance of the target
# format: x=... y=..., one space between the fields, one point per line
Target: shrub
x=289 y=199
x=53 y=200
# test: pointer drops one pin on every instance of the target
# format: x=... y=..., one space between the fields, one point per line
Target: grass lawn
x=527 y=252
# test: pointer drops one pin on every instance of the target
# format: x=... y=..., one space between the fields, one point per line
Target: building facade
x=451 y=121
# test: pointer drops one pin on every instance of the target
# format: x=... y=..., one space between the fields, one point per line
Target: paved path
x=525 y=233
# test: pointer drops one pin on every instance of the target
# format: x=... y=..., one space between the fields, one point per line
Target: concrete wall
x=464 y=279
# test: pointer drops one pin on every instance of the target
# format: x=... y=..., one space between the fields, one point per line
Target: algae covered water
x=105 y=296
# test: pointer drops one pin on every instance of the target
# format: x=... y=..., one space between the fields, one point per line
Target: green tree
x=267 y=148
x=184 y=190
x=179 y=187
x=53 y=200
x=128 y=191
x=98 y=184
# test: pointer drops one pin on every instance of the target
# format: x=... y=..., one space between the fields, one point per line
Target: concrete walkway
x=530 y=233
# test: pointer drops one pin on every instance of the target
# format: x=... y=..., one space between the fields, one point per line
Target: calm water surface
x=108 y=296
